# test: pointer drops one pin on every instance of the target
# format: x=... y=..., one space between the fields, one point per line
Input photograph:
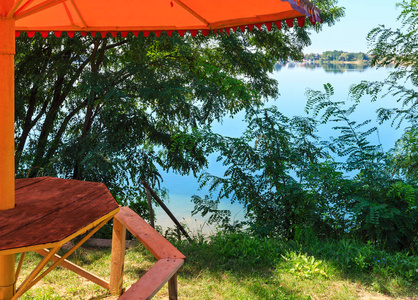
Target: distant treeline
x=338 y=56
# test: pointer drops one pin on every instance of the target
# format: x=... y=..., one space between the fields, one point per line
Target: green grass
x=238 y=266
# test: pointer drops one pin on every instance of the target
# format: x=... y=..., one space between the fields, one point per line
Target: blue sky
x=349 y=34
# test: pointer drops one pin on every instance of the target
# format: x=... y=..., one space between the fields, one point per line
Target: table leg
x=172 y=287
x=118 y=256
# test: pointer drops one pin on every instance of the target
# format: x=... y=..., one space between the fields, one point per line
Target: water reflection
x=341 y=68
x=327 y=67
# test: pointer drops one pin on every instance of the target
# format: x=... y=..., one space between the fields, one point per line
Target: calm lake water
x=294 y=79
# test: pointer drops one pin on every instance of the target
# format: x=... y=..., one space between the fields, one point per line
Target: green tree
x=294 y=186
x=383 y=208
x=360 y=56
x=331 y=55
x=343 y=57
x=398 y=48
x=118 y=110
x=265 y=171
x=311 y=56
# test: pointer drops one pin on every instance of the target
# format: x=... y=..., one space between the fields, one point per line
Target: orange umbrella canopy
x=155 y=15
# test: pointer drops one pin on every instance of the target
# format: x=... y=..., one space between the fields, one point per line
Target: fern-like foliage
x=293 y=185
x=383 y=205
x=398 y=48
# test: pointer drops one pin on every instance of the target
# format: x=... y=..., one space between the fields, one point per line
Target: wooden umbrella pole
x=7 y=169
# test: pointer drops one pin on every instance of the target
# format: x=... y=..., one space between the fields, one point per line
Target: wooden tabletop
x=49 y=210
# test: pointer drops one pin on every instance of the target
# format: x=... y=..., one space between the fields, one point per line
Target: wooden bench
x=170 y=260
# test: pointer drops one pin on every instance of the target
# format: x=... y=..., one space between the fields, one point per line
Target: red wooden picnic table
x=49 y=212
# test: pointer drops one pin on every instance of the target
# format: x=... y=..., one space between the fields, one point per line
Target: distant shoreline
x=355 y=62
x=331 y=66
x=337 y=62
x=338 y=57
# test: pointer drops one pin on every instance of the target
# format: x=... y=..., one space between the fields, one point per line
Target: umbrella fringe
x=301 y=21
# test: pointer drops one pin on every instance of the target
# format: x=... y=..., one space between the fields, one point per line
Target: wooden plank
x=50 y=209
x=76 y=269
x=152 y=281
x=148 y=236
x=118 y=256
x=25 y=182
x=19 y=266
